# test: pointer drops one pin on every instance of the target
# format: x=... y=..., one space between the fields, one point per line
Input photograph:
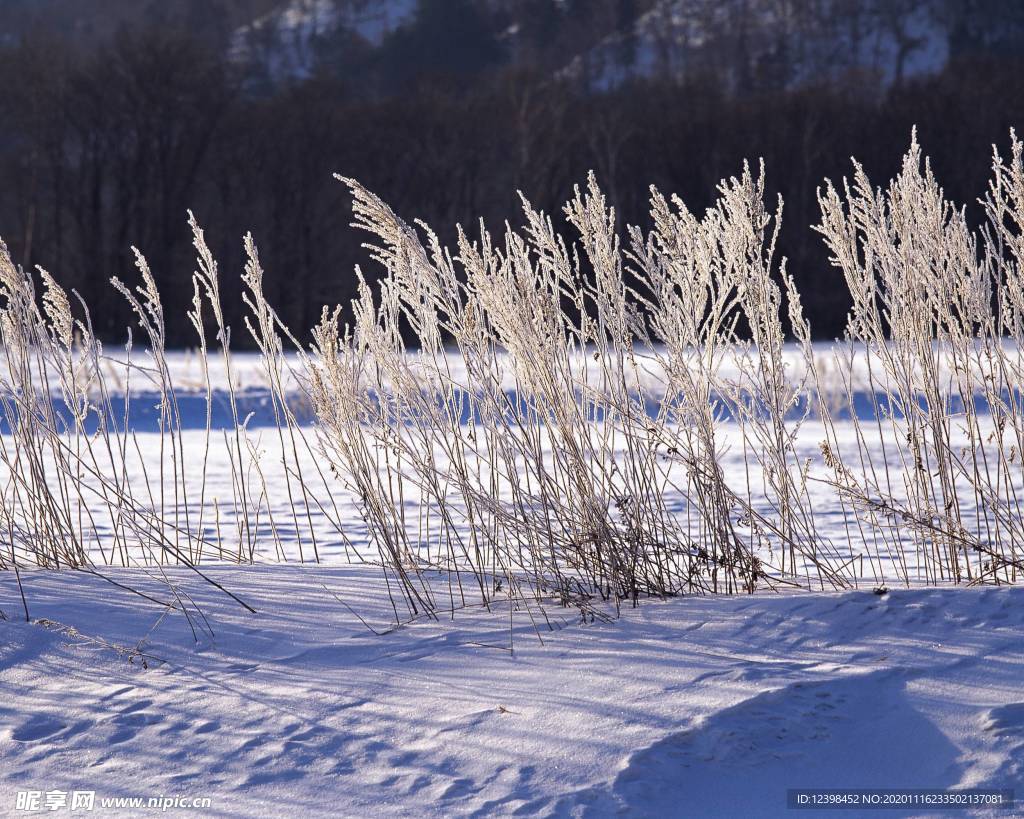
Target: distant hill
x=743 y=44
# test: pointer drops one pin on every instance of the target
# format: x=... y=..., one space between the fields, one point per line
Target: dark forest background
x=117 y=116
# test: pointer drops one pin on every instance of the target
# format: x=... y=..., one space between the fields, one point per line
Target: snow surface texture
x=693 y=707
x=697 y=706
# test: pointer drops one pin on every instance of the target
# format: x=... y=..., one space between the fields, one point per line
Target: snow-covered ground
x=314 y=703
x=850 y=380
x=693 y=707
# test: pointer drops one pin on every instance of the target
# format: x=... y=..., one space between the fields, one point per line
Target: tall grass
x=593 y=419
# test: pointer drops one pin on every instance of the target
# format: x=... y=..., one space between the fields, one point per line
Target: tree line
x=104 y=148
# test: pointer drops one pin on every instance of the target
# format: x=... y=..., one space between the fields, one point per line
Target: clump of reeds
x=592 y=419
x=935 y=480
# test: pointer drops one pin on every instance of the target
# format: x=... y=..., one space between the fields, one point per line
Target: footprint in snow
x=37 y=727
x=119 y=692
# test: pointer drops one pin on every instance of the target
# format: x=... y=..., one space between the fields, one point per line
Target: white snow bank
x=695 y=706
